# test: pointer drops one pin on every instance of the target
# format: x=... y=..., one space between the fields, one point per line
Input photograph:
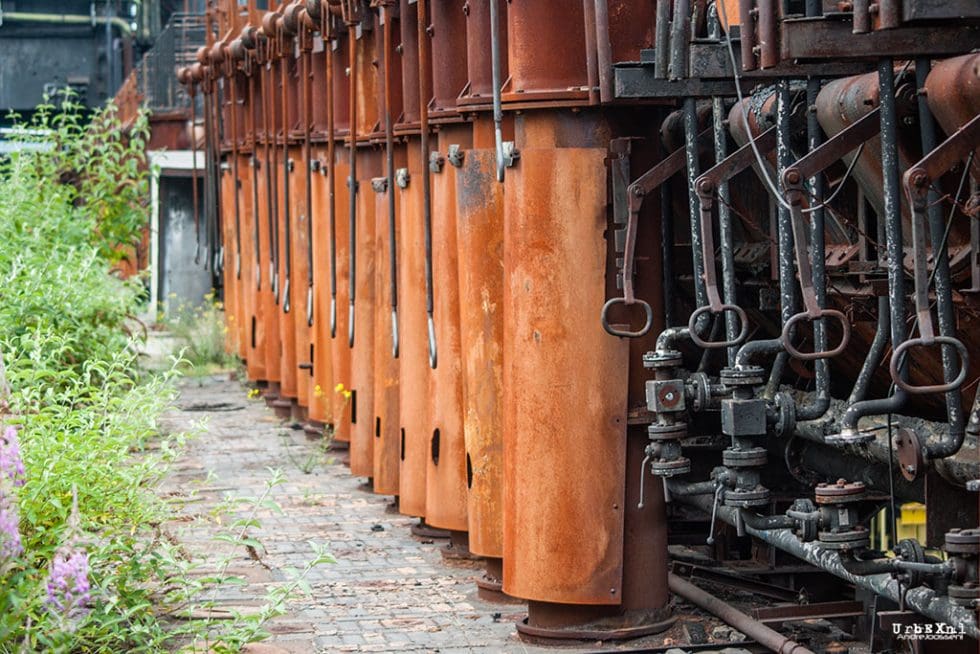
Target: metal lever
x=917 y=181
x=641 y=187
x=710 y=540
x=643 y=474
x=816 y=161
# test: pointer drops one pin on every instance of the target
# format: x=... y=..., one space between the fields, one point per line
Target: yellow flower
x=339 y=388
x=253 y=393
x=346 y=395
x=317 y=391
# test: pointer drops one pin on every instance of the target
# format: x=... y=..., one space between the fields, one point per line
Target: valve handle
x=817 y=314
x=717 y=309
x=622 y=333
x=643 y=474
x=893 y=366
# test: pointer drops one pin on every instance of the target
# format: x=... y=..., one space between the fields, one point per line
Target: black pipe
x=694 y=204
x=875 y=354
x=951 y=442
x=893 y=240
x=390 y=173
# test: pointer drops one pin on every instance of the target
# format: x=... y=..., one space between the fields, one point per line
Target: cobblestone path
x=388 y=592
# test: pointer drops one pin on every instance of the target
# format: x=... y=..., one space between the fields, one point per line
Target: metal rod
x=680 y=34
x=194 y=199
x=252 y=126
x=287 y=254
x=271 y=170
x=945 y=311
x=307 y=82
x=425 y=70
x=390 y=174
x=603 y=50
x=693 y=171
x=498 y=112
x=893 y=245
x=233 y=111
x=331 y=181
x=662 y=40
x=875 y=353
x=591 y=56
x=352 y=180
x=754 y=629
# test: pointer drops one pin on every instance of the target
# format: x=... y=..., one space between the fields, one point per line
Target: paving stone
x=388 y=592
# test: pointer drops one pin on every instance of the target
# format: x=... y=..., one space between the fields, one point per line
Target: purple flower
x=68 y=585
x=10 y=545
x=11 y=462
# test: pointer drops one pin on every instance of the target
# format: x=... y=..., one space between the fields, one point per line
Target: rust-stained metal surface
x=480 y=247
x=341 y=352
x=446 y=499
x=321 y=391
x=385 y=428
x=362 y=438
x=953 y=91
x=546 y=64
x=478 y=64
x=300 y=245
x=554 y=349
x=414 y=372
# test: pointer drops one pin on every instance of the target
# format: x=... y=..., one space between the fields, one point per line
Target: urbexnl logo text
x=928 y=631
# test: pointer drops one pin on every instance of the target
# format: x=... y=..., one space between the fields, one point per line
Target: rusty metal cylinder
x=449 y=52
x=478 y=63
x=408 y=24
x=545 y=51
x=290 y=299
x=564 y=387
x=446 y=496
x=386 y=425
x=953 y=91
x=362 y=439
x=480 y=259
x=414 y=371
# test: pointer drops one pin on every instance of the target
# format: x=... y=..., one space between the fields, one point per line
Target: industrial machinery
x=585 y=282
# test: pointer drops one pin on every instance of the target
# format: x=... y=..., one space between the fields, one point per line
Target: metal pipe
x=754 y=629
x=894 y=247
x=875 y=353
x=784 y=232
x=67 y=19
x=331 y=180
x=591 y=64
x=945 y=311
x=252 y=127
x=661 y=42
x=922 y=600
x=233 y=111
x=498 y=112
x=425 y=70
x=352 y=180
x=603 y=51
x=307 y=82
x=390 y=173
x=815 y=409
x=692 y=152
x=680 y=34
x=194 y=193
x=287 y=266
x=726 y=242
x=667 y=250
x=271 y=170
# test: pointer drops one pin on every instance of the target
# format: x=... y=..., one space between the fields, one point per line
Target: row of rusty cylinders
x=425 y=229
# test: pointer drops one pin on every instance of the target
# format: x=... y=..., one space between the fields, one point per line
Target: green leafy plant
x=200 y=333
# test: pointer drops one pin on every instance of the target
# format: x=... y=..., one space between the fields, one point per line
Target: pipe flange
x=668 y=432
x=379 y=184
x=743 y=376
x=700 y=391
x=671 y=468
x=747 y=499
x=752 y=457
x=963 y=541
x=786 y=420
x=850 y=437
x=855 y=539
x=665 y=359
x=966 y=595
x=841 y=492
x=908 y=449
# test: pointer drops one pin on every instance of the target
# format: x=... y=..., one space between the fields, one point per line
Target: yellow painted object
x=911 y=523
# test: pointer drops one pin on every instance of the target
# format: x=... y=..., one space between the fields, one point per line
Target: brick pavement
x=388 y=592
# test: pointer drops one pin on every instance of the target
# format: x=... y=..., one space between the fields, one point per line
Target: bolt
x=792 y=176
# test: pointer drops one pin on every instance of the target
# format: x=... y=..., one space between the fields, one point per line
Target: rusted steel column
x=446 y=496
x=363 y=353
x=385 y=429
x=387 y=443
x=288 y=296
x=414 y=371
x=480 y=247
x=321 y=407
x=546 y=52
x=300 y=263
x=564 y=387
x=270 y=190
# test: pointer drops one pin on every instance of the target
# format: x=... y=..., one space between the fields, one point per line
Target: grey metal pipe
x=945 y=312
x=875 y=354
x=67 y=19
x=661 y=40
x=921 y=600
x=893 y=238
x=694 y=204
x=498 y=112
x=754 y=629
x=680 y=34
x=603 y=51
